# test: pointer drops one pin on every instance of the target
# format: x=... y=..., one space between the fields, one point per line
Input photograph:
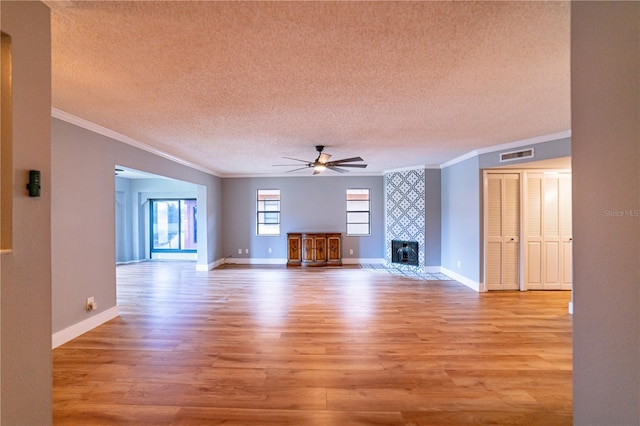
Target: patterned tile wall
x=405 y=211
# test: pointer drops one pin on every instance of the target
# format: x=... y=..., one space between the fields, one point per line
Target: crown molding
x=526 y=142
x=460 y=159
x=509 y=145
x=95 y=128
x=85 y=124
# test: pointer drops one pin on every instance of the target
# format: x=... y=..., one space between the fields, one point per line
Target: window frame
x=368 y=212
x=152 y=221
x=268 y=212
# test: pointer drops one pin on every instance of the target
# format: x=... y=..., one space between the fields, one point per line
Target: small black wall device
x=34 y=183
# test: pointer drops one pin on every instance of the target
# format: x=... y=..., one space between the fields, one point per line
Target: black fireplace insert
x=404 y=252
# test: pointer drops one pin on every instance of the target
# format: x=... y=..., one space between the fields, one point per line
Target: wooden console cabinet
x=314 y=249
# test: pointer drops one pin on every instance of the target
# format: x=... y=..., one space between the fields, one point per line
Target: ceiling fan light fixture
x=321 y=163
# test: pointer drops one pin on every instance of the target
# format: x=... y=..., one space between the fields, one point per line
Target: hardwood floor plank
x=114 y=414
x=179 y=374
x=219 y=395
x=333 y=346
x=361 y=379
x=447 y=399
x=454 y=418
x=308 y=362
x=467 y=362
x=216 y=416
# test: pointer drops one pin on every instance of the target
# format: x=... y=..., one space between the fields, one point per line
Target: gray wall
x=605 y=98
x=25 y=274
x=433 y=217
x=542 y=151
x=461 y=225
x=126 y=236
x=462 y=216
x=132 y=212
x=83 y=216
x=309 y=203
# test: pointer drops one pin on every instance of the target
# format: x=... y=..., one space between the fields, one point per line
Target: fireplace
x=404 y=252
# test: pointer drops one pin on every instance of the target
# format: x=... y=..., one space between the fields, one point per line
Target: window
x=268 y=212
x=358 y=212
x=174 y=225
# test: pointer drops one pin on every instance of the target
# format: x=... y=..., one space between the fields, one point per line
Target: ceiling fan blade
x=347 y=160
x=316 y=172
x=362 y=166
x=286 y=165
x=295 y=170
x=322 y=158
x=297 y=159
x=337 y=169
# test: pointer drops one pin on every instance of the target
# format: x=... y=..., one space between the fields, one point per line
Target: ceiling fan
x=321 y=163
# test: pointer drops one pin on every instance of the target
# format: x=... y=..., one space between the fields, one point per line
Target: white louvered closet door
x=502 y=231
x=548 y=263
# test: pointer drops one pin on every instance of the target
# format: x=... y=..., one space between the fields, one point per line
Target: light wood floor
x=343 y=346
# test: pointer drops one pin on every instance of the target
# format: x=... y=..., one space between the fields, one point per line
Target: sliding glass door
x=173 y=226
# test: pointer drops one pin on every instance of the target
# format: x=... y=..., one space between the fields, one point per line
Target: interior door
x=548 y=259
x=502 y=231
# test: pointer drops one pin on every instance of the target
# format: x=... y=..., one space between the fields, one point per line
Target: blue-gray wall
x=461 y=218
x=462 y=209
x=83 y=236
x=433 y=217
x=308 y=203
x=132 y=213
x=542 y=151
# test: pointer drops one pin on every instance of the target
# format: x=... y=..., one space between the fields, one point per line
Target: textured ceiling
x=233 y=87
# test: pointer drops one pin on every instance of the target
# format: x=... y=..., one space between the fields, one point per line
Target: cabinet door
x=307 y=249
x=334 y=251
x=294 y=252
x=321 y=249
x=334 y=248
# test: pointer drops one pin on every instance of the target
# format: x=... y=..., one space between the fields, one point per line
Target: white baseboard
x=210 y=266
x=131 y=261
x=283 y=261
x=70 y=333
x=474 y=285
x=256 y=261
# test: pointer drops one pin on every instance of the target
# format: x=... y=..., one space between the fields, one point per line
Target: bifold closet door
x=502 y=254
x=548 y=263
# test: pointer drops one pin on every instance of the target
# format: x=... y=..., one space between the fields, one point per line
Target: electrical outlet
x=350 y=251
x=91 y=304
x=239 y=251
x=269 y=250
x=246 y=251
x=459 y=264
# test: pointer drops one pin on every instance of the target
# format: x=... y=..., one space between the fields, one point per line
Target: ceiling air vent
x=516 y=155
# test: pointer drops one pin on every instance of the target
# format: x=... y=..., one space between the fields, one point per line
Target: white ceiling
x=232 y=87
